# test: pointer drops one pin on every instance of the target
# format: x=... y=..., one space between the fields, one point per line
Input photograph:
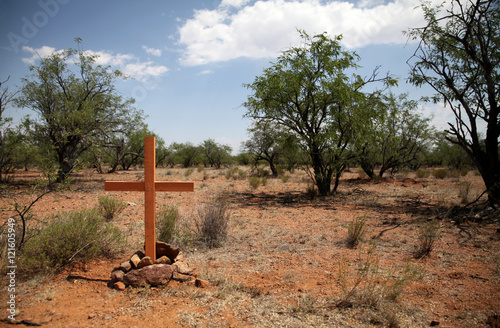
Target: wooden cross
x=149 y=186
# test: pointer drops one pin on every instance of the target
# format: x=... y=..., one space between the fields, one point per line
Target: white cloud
x=39 y=53
x=265 y=28
x=205 y=72
x=234 y=3
x=107 y=58
x=129 y=64
x=143 y=70
x=152 y=51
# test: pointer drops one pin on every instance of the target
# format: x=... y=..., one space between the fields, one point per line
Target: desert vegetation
x=344 y=207
x=397 y=251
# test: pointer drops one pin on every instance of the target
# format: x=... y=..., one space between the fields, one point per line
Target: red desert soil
x=280 y=264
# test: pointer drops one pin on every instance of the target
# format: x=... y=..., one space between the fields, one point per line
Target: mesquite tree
x=309 y=91
x=395 y=137
x=76 y=103
x=459 y=57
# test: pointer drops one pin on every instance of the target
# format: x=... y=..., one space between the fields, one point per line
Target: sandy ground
x=280 y=264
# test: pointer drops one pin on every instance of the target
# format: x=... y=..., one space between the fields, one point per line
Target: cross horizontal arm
x=139 y=186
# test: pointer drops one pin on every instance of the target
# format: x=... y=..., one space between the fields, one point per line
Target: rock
x=119 y=285
x=154 y=275
x=182 y=277
x=434 y=323
x=164 y=249
x=201 y=283
x=136 y=258
x=182 y=268
x=163 y=260
x=145 y=261
x=117 y=275
x=179 y=257
x=126 y=266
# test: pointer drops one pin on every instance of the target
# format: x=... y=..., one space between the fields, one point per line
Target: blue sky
x=189 y=59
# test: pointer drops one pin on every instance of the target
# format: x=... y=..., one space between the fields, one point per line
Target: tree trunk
x=322 y=175
x=491 y=179
x=323 y=183
x=273 y=168
x=65 y=169
x=337 y=180
x=98 y=164
x=368 y=169
x=382 y=171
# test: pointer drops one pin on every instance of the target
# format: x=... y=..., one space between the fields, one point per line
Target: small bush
x=285 y=178
x=370 y=285
x=263 y=181
x=311 y=192
x=200 y=168
x=428 y=234
x=421 y=173
x=262 y=172
x=212 y=221
x=254 y=182
x=464 y=188
x=110 y=207
x=231 y=173
x=205 y=176
x=355 y=232
x=188 y=172
x=440 y=173
x=70 y=237
x=166 y=223
x=242 y=174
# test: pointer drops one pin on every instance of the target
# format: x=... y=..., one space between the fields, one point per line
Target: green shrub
x=200 y=168
x=205 y=176
x=370 y=285
x=262 y=172
x=242 y=174
x=464 y=189
x=188 y=172
x=355 y=232
x=70 y=237
x=254 y=182
x=231 y=173
x=428 y=234
x=110 y=207
x=440 y=173
x=166 y=223
x=212 y=221
x=311 y=192
x=285 y=178
x=235 y=174
x=263 y=181
x=421 y=173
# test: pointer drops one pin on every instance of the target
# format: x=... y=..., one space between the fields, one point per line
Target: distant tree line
x=308 y=109
x=82 y=122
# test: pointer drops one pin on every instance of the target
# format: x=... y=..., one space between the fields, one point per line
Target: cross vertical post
x=149 y=197
x=150 y=186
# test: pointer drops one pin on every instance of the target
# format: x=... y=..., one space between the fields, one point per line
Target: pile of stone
x=140 y=271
